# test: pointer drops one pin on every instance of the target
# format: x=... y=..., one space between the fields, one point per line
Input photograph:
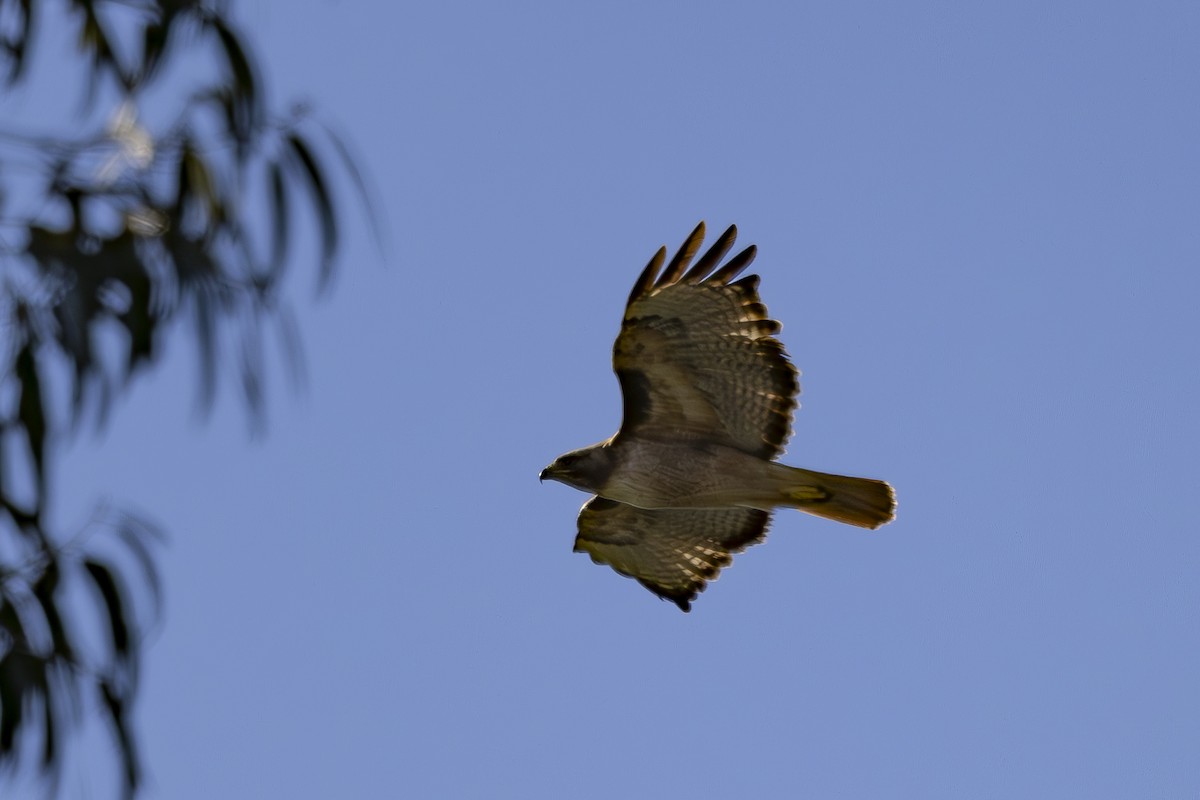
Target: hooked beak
x=549 y=473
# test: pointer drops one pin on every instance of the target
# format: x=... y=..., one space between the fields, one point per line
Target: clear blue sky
x=980 y=226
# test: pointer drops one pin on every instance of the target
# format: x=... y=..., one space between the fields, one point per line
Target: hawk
x=708 y=392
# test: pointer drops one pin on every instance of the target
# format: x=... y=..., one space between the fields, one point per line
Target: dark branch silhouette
x=130 y=233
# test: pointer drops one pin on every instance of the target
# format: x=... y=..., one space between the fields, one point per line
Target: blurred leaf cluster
x=112 y=235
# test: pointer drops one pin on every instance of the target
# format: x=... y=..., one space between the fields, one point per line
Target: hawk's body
x=708 y=395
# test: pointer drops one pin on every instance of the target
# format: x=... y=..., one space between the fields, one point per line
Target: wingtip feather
x=712 y=257
x=687 y=251
x=646 y=279
x=735 y=266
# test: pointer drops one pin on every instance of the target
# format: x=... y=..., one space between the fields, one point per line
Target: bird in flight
x=708 y=393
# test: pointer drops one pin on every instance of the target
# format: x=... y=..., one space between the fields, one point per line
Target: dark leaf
x=73 y=272
x=45 y=591
x=31 y=415
x=204 y=315
x=323 y=205
x=136 y=532
x=201 y=187
x=140 y=320
x=183 y=183
x=365 y=195
x=106 y=584
x=154 y=43
x=245 y=95
x=18 y=690
x=24 y=519
x=94 y=39
x=52 y=248
x=251 y=373
x=73 y=315
x=114 y=704
x=50 y=739
x=63 y=690
x=293 y=349
x=118 y=262
x=279 y=216
x=24 y=684
x=15 y=679
x=16 y=45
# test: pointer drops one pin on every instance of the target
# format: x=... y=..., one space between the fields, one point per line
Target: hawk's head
x=587 y=469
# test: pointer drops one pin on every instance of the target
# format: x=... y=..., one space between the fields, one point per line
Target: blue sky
x=979 y=226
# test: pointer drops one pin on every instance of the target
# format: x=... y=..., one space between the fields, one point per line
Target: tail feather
x=864 y=502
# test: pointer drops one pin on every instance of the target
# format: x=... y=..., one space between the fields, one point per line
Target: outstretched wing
x=697 y=357
x=672 y=552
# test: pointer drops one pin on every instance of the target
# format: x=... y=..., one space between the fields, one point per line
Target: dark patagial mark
x=635 y=395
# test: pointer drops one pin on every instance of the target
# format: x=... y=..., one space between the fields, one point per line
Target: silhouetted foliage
x=133 y=232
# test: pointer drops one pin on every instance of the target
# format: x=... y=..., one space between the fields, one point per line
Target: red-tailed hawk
x=690 y=477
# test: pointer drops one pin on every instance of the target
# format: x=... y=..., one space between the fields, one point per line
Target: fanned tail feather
x=864 y=502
